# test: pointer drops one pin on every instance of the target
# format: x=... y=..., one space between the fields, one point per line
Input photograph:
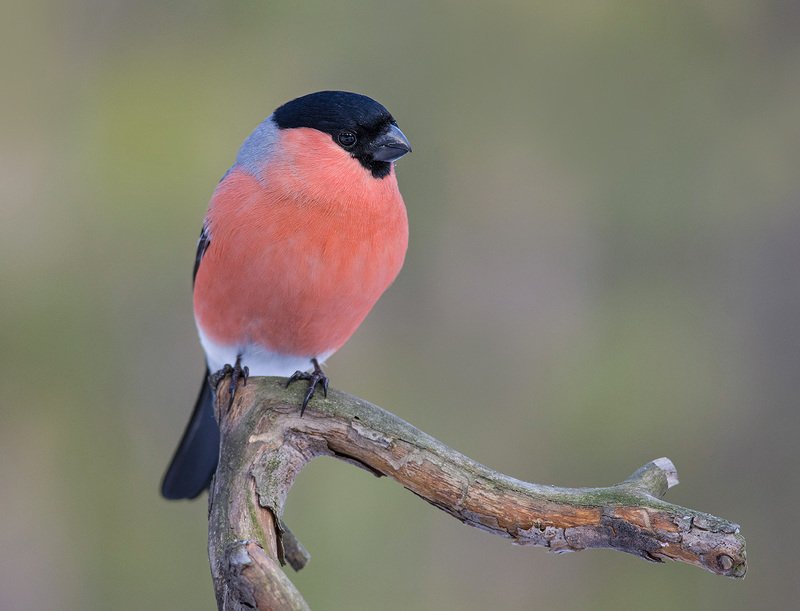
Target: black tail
x=195 y=460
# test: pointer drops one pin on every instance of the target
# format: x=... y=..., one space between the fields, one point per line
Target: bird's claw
x=236 y=372
x=215 y=378
x=315 y=378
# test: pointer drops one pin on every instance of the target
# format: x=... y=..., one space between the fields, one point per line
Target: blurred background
x=604 y=200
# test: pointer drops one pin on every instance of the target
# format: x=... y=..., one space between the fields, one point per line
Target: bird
x=303 y=234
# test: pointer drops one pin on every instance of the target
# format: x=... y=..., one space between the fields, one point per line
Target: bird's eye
x=346 y=139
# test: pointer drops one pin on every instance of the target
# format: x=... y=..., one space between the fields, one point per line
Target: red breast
x=299 y=256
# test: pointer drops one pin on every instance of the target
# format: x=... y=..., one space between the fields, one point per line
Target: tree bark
x=265 y=444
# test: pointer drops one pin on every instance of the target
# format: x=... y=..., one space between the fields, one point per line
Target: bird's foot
x=236 y=372
x=315 y=378
x=215 y=378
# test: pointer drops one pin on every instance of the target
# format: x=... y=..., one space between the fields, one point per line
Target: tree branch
x=265 y=444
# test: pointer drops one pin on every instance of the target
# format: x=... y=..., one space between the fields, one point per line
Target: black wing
x=202 y=244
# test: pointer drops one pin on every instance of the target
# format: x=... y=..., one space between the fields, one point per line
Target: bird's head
x=357 y=125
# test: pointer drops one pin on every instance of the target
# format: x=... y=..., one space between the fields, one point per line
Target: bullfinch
x=302 y=236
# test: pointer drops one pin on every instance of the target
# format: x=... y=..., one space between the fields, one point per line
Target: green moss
x=255 y=523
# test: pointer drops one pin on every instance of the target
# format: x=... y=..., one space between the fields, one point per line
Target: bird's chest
x=296 y=272
x=346 y=257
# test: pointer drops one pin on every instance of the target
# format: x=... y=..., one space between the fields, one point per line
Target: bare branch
x=265 y=444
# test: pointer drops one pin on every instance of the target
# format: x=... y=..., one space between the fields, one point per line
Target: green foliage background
x=603 y=269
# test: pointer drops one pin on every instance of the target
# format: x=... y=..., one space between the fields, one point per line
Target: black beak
x=390 y=145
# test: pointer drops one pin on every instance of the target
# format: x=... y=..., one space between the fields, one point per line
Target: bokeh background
x=604 y=200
